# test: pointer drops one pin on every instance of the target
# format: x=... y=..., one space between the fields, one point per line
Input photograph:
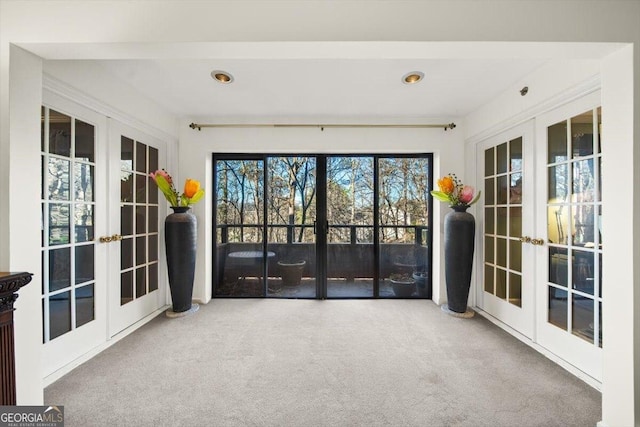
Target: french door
x=100 y=232
x=542 y=240
x=569 y=288
x=322 y=226
x=74 y=199
x=136 y=278
x=507 y=226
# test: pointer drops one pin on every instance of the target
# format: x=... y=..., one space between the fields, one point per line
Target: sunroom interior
x=154 y=91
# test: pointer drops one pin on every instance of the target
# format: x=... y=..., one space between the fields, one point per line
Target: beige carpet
x=270 y=362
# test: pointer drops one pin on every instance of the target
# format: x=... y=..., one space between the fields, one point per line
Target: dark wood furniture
x=10 y=283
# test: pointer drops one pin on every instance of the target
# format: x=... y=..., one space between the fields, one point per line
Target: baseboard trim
x=53 y=377
x=589 y=380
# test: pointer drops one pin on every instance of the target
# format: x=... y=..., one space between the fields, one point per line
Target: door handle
x=107 y=239
x=525 y=239
x=538 y=242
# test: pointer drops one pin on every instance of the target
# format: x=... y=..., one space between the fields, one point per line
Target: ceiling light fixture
x=412 y=77
x=222 y=76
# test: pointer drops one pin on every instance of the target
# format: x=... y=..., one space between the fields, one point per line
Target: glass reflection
x=501 y=252
x=515 y=155
x=515 y=222
x=583 y=225
x=83 y=182
x=59 y=314
x=503 y=190
x=84 y=263
x=558 y=269
x=557 y=142
x=126 y=220
x=126 y=153
x=502 y=161
x=126 y=254
x=59 y=134
x=558 y=184
x=84 y=305
x=126 y=287
x=515 y=192
x=489 y=162
x=488 y=249
x=85 y=136
x=515 y=289
x=153 y=277
x=141 y=157
x=488 y=279
x=59 y=224
x=558 y=224
x=582 y=318
x=59 y=269
x=126 y=187
x=141 y=188
x=501 y=221
x=83 y=222
x=489 y=225
x=583 y=181
x=582 y=135
x=153 y=159
x=489 y=191
x=515 y=255
x=58 y=179
x=501 y=283
x=558 y=307
x=141 y=282
x=583 y=271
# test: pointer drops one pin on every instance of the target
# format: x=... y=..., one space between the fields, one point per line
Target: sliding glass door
x=322 y=226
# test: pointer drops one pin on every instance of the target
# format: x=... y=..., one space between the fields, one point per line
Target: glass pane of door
x=403 y=215
x=350 y=238
x=68 y=205
x=239 y=228
x=138 y=220
x=291 y=221
x=574 y=210
x=503 y=184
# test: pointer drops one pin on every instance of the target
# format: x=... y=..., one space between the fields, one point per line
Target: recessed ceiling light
x=222 y=76
x=412 y=77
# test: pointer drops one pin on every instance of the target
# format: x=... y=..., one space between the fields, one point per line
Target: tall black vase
x=180 y=242
x=459 y=235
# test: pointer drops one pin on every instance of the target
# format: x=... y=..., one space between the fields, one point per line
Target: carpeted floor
x=269 y=362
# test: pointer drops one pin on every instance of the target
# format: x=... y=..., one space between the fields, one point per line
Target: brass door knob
x=116 y=237
x=538 y=242
x=105 y=239
x=525 y=239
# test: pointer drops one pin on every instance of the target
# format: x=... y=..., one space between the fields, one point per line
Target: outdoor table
x=249 y=259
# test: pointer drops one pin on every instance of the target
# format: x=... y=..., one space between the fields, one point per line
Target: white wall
x=24 y=219
x=198 y=145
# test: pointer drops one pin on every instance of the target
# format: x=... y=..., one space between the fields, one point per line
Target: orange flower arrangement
x=192 y=192
x=455 y=192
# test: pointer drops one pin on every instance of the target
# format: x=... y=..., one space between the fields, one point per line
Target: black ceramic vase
x=459 y=234
x=180 y=242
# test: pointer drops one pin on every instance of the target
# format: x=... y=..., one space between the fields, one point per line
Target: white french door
x=569 y=289
x=540 y=222
x=100 y=229
x=506 y=226
x=136 y=278
x=74 y=212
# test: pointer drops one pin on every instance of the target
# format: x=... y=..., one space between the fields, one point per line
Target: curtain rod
x=199 y=126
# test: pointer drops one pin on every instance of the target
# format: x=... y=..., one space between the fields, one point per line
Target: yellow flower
x=446 y=184
x=191 y=187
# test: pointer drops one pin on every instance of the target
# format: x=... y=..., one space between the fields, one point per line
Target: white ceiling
x=291 y=80
x=322 y=87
